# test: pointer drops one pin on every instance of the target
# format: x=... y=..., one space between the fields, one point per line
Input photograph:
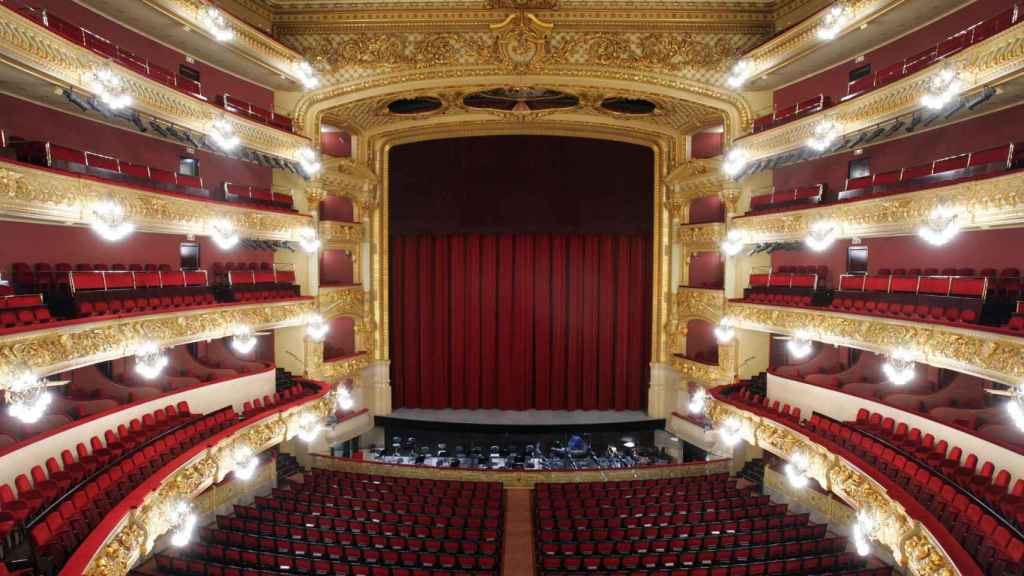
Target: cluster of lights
x=835 y=19
x=109 y=87
x=821 y=236
x=739 y=74
x=824 y=134
x=942 y=88
x=27 y=397
x=150 y=360
x=224 y=234
x=796 y=470
x=800 y=345
x=222 y=132
x=110 y=222
x=735 y=161
x=941 y=227
x=245 y=461
x=1016 y=409
x=216 y=24
x=899 y=367
x=309 y=160
x=345 y=399
x=309 y=427
x=308 y=240
x=731 y=432
x=698 y=402
x=733 y=243
x=304 y=70
x=317 y=327
x=724 y=332
x=864 y=531
x=183 y=523
x=243 y=340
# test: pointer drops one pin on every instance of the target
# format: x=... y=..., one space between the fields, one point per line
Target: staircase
x=754 y=472
x=287 y=465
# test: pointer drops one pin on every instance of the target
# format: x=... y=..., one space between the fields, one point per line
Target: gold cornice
x=62 y=348
x=912 y=544
x=136 y=533
x=700 y=237
x=992 y=202
x=337 y=301
x=987 y=63
x=984 y=354
x=341 y=235
x=28 y=46
x=28 y=193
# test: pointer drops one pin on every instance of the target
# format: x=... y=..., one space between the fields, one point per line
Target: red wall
x=337 y=209
x=833 y=82
x=707 y=270
x=707 y=209
x=341 y=340
x=706 y=144
x=975 y=134
x=335 y=267
x=700 y=339
x=338 y=144
x=215 y=82
x=30 y=121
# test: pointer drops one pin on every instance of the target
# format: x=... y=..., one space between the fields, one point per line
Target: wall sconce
x=309 y=160
x=796 y=471
x=222 y=132
x=183 y=523
x=799 y=345
x=821 y=236
x=865 y=530
x=317 y=328
x=941 y=227
x=345 y=400
x=309 y=427
x=733 y=243
x=109 y=87
x=899 y=366
x=942 y=88
x=739 y=74
x=150 y=361
x=698 y=402
x=216 y=24
x=244 y=340
x=735 y=161
x=308 y=240
x=731 y=431
x=245 y=461
x=110 y=221
x=724 y=332
x=224 y=234
x=825 y=133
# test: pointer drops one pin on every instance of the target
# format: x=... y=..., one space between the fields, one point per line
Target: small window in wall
x=189 y=255
x=188 y=72
x=859 y=168
x=858 y=73
x=188 y=165
x=857 y=260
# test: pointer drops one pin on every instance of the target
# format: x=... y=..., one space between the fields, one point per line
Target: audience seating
x=932 y=297
x=249 y=283
x=253 y=112
x=786 y=198
x=255 y=195
x=788 y=285
x=97 y=293
x=23 y=310
x=258 y=406
x=792 y=112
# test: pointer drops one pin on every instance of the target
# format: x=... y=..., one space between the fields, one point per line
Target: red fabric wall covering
x=336 y=209
x=215 y=81
x=335 y=267
x=707 y=209
x=341 y=340
x=700 y=340
x=707 y=270
x=833 y=81
x=970 y=135
x=34 y=122
x=337 y=144
x=514 y=322
x=706 y=144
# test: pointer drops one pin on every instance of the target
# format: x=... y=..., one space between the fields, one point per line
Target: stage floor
x=521 y=417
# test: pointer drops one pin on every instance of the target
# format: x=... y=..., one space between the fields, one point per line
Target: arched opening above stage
x=520 y=273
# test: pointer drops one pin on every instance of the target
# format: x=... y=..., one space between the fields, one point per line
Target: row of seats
x=256 y=195
x=18 y=310
x=934 y=54
x=764 y=406
x=251 y=111
x=392 y=502
x=580 y=530
x=181 y=566
x=256 y=406
x=117 y=292
x=786 y=198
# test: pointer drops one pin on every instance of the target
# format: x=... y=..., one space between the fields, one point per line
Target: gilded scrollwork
x=342 y=301
x=343 y=234
x=704 y=303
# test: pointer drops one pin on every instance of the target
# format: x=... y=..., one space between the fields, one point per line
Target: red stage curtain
x=516 y=322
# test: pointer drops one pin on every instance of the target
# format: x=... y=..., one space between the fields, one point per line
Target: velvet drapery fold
x=524 y=321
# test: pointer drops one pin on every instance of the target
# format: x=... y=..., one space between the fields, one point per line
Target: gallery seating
x=777 y=199
x=23 y=310
x=256 y=195
x=252 y=112
x=934 y=297
x=787 y=285
x=792 y=112
x=249 y=284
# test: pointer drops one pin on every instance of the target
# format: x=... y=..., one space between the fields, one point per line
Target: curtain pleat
x=514 y=322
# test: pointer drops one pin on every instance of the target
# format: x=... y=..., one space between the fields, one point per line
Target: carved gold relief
x=337 y=370
x=704 y=303
x=347 y=235
x=342 y=301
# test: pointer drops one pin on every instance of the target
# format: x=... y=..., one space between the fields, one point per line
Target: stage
x=529 y=419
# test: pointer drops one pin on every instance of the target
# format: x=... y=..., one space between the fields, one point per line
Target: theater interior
x=511 y=287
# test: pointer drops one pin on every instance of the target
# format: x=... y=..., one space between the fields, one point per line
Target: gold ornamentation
x=347 y=235
x=348 y=367
x=58 y=349
x=523 y=4
x=342 y=301
x=703 y=303
x=349 y=179
x=522 y=42
x=706 y=374
x=659 y=51
x=701 y=236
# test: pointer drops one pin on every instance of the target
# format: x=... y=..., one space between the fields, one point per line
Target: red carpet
x=517 y=557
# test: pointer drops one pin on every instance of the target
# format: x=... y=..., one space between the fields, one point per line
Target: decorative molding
x=707 y=374
x=342 y=235
x=986 y=203
x=28 y=193
x=349 y=179
x=700 y=237
x=50 y=56
x=348 y=367
x=703 y=303
x=136 y=533
x=984 y=354
x=61 y=348
x=337 y=301
x=987 y=63
x=911 y=543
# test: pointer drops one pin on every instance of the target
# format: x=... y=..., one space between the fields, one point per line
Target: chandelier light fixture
x=724 y=332
x=183 y=523
x=899 y=366
x=109 y=87
x=735 y=161
x=214 y=21
x=244 y=340
x=110 y=222
x=309 y=160
x=222 y=132
x=28 y=397
x=865 y=529
x=304 y=70
x=821 y=236
x=309 y=427
x=245 y=462
x=800 y=345
x=941 y=227
x=224 y=234
x=150 y=360
x=739 y=74
x=942 y=88
x=345 y=400
x=825 y=133
x=731 y=431
x=308 y=240
x=317 y=328
x=1016 y=408
x=796 y=470
x=733 y=243
x=835 y=19
x=698 y=402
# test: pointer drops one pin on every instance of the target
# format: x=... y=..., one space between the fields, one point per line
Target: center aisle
x=517 y=551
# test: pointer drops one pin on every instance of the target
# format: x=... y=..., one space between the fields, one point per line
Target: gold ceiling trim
x=62 y=348
x=913 y=546
x=136 y=533
x=45 y=54
x=990 y=62
x=35 y=194
x=992 y=202
x=983 y=354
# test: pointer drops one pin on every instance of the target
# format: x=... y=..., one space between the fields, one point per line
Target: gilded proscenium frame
x=988 y=203
x=38 y=195
x=62 y=348
x=912 y=544
x=135 y=534
x=695 y=179
x=520 y=478
x=32 y=48
x=983 y=354
x=989 y=62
